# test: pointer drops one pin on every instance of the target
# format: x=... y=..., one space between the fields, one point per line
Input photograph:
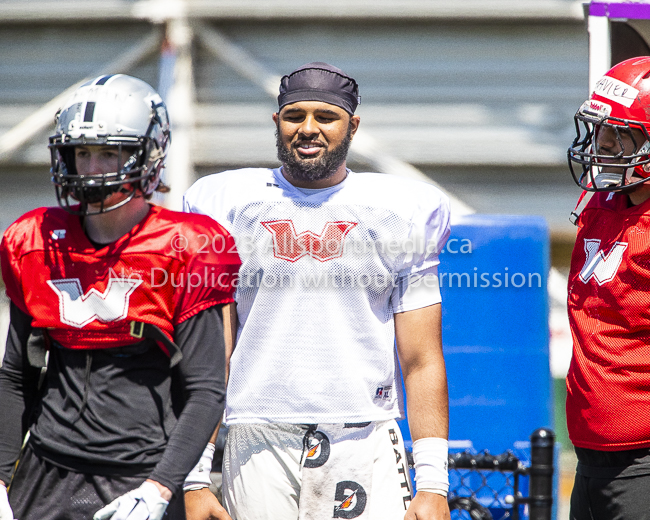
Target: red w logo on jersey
x=598 y=265
x=290 y=246
x=78 y=309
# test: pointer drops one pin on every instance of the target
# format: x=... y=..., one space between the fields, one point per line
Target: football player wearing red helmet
x=608 y=384
x=118 y=309
x=611 y=151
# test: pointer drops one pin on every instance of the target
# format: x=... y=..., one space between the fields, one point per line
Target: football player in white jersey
x=337 y=268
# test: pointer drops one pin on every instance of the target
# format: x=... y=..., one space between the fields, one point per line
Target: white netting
x=314 y=300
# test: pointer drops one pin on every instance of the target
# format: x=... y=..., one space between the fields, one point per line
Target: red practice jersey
x=608 y=384
x=168 y=268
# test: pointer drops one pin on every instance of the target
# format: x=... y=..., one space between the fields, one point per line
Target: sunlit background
x=475 y=95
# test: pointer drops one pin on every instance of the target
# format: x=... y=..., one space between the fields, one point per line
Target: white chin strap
x=629 y=172
x=605 y=179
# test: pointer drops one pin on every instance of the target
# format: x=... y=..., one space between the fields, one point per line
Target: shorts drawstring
x=311 y=429
x=84 y=402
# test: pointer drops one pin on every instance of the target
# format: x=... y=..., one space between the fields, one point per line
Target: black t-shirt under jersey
x=111 y=412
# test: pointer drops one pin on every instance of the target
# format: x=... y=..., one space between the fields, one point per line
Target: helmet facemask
x=600 y=170
x=117 y=111
x=95 y=188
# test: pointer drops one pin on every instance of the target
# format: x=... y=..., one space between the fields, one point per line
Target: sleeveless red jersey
x=608 y=384
x=166 y=269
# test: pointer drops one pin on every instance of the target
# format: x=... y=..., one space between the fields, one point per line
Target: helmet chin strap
x=642 y=170
x=602 y=179
x=629 y=173
x=131 y=194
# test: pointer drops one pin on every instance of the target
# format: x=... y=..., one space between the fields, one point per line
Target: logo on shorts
x=351 y=500
x=383 y=392
x=402 y=469
x=319 y=450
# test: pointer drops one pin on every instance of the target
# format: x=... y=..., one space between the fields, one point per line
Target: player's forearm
x=13 y=412
x=427 y=401
x=215 y=433
x=419 y=345
x=196 y=423
x=202 y=373
x=18 y=388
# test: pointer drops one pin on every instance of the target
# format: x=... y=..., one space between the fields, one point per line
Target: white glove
x=143 y=503
x=5 y=509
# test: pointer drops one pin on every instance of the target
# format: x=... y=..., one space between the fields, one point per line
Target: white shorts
x=318 y=472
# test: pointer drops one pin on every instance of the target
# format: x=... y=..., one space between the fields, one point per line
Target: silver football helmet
x=113 y=110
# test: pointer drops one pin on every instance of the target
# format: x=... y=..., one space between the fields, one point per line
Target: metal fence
x=484 y=486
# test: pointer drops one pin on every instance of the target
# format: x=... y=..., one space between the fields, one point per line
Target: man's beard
x=313 y=169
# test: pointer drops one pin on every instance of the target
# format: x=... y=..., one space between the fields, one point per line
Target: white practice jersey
x=322 y=275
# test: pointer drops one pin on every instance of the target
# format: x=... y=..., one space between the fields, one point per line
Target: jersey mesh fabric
x=609 y=311
x=316 y=335
x=49 y=263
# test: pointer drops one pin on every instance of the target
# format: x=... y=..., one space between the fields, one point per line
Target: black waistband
x=613 y=464
x=82 y=466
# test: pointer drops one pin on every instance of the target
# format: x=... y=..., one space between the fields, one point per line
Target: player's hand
x=203 y=505
x=143 y=503
x=5 y=509
x=428 y=506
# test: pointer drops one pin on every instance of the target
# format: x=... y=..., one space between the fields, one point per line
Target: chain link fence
x=515 y=485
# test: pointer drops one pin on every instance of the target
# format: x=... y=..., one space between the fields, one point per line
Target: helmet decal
x=103 y=79
x=595 y=110
x=616 y=90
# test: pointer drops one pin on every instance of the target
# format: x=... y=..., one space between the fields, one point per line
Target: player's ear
x=354 y=124
x=275 y=117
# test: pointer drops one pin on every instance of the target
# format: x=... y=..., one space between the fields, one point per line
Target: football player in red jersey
x=608 y=384
x=131 y=317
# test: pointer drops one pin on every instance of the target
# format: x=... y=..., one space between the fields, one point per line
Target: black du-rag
x=319 y=81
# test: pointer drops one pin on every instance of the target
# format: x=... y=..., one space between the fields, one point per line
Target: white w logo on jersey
x=602 y=267
x=78 y=309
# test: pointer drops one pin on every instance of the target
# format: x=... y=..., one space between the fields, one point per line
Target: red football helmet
x=619 y=108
